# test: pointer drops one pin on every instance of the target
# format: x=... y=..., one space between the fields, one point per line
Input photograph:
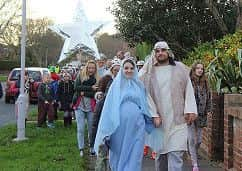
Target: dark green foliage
x=224 y=70
x=184 y=24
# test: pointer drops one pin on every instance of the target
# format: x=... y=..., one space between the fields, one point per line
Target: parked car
x=11 y=90
x=12 y=87
x=36 y=73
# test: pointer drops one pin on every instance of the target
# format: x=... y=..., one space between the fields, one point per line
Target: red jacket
x=55 y=76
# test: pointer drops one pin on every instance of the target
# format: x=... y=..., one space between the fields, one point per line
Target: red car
x=12 y=85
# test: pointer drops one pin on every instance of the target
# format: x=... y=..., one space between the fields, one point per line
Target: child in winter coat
x=45 y=103
x=54 y=84
x=65 y=94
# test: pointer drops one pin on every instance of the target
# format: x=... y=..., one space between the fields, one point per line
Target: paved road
x=7 y=111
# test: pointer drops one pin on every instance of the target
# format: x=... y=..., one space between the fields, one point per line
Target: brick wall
x=233 y=132
x=213 y=138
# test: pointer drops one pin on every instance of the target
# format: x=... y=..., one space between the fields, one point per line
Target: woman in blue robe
x=124 y=119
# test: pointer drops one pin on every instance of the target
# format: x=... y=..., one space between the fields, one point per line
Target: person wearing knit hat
x=173 y=106
x=109 y=64
x=54 y=85
x=127 y=55
x=101 y=63
x=115 y=68
x=140 y=64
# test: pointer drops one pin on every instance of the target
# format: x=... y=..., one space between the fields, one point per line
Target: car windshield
x=35 y=75
x=15 y=75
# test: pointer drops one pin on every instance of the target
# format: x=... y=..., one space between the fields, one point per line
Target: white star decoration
x=78 y=34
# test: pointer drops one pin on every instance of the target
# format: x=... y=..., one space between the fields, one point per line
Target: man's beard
x=162 y=61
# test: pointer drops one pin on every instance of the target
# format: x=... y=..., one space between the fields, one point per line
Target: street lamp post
x=22 y=100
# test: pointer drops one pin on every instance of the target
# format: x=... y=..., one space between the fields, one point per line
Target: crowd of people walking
x=159 y=103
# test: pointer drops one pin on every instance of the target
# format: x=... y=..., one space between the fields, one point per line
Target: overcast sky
x=61 y=11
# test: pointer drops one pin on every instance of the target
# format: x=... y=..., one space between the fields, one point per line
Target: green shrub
x=224 y=71
x=227 y=47
x=142 y=50
x=204 y=52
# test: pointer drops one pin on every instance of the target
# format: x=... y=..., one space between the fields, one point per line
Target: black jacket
x=85 y=86
x=65 y=94
x=45 y=93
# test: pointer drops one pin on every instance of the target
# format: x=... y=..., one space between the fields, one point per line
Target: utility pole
x=22 y=99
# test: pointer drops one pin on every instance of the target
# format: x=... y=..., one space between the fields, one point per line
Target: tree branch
x=217 y=17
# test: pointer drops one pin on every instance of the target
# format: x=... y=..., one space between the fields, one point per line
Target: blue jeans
x=80 y=121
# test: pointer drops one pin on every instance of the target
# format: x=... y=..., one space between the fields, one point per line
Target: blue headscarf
x=120 y=89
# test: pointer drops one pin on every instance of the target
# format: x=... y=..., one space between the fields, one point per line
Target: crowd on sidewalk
x=130 y=106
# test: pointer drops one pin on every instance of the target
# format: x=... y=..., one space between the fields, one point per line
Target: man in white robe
x=172 y=104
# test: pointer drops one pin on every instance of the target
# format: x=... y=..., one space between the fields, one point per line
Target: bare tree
x=10 y=12
x=42 y=43
x=110 y=44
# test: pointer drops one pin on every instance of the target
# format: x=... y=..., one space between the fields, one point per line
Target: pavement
x=204 y=165
x=149 y=165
